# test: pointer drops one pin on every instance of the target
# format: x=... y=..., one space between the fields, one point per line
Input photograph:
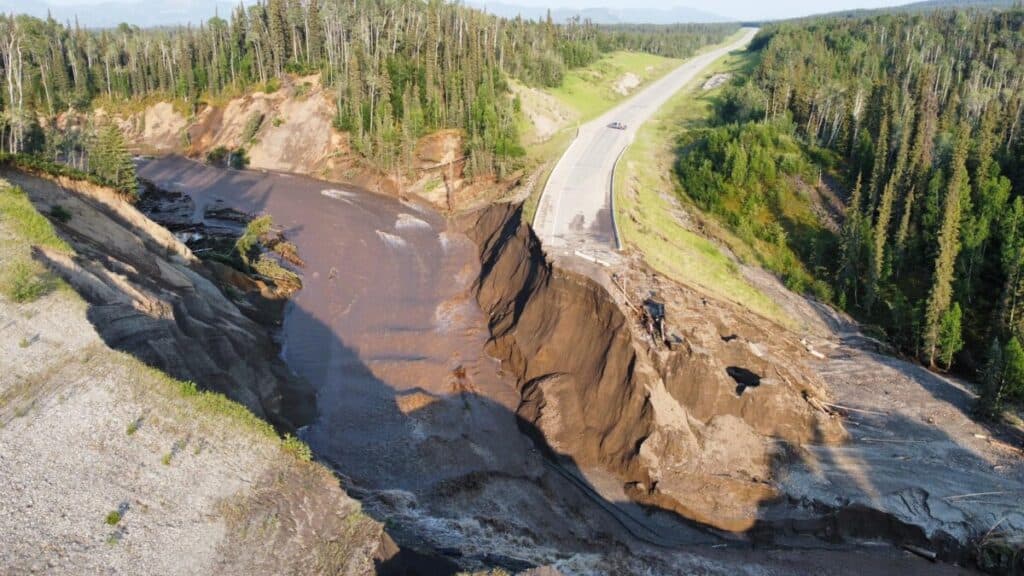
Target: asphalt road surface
x=575 y=215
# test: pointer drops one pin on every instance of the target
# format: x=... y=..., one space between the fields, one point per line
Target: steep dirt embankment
x=292 y=130
x=689 y=430
x=107 y=466
x=149 y=296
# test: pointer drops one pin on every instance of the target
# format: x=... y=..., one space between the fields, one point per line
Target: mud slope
x=110 y=467
x=150 y=297
x=677 y=428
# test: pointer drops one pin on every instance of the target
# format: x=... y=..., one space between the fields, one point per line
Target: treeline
x=921 y=116
x=400 y=68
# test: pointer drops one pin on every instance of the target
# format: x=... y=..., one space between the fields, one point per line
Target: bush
x=113 y=517
x=217 y=156
x=252 y=126
x=22 y=282
x=238 y=159
x=60 y=213
x=283 y=277
x=297 y=448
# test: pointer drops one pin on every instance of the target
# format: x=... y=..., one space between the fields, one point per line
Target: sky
x=734 y=9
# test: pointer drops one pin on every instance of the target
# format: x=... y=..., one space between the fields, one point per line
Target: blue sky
x=736 y=9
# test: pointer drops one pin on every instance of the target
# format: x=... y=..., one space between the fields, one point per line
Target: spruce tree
x=948 y=247
x=951 y=334
x=111 y=162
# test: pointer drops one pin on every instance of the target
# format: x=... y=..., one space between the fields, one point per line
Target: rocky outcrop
x=687 y=430
x=149 y=296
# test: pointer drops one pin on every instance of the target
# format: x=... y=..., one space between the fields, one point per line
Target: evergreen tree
x=1013 y=371
x=991 y=398
x=110 y=161
x=950 y=334
x=948 y=247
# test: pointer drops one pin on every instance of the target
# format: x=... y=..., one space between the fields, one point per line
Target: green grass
x=26 y=222
x=23 y=279
x=590 y=90
x=644 y=184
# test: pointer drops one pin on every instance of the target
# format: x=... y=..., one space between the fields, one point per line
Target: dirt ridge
x=151 y=297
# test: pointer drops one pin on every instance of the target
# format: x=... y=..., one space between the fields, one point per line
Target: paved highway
x=575 y=214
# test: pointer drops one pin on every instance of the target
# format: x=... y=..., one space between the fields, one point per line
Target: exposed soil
x=294 y=133
x=546 y=114
x=626 y=83
x=469 y=459
x=547 y=459
x=87 y=432
x=149 y=296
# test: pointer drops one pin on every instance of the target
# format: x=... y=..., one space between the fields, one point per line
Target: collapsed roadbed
x=742 y=425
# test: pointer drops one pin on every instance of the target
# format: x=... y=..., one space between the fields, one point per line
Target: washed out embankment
x=151 y=297
x=418 y=420
x=435 y=438
x=707 y=429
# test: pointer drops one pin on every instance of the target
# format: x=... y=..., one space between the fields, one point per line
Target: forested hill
x=400 y=68
x=921 y=116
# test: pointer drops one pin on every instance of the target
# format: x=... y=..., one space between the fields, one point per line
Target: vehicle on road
x=617 y=125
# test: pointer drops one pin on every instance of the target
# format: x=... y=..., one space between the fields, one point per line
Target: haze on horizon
x=730 y=9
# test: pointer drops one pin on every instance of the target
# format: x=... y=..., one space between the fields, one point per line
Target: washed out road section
x=411 y=411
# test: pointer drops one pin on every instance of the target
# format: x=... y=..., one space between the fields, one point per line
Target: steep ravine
x=673 y=427
x=432 y=436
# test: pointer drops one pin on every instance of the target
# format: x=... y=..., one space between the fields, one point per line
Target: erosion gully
x=414 y=417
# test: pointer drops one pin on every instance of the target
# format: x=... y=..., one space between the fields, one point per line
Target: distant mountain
x=926 y=6
x=144 y=13
x=674 y=15
x=944 y=4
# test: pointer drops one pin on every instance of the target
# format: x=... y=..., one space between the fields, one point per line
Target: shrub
x=252 y=126
x=113 y=517
x=272 y=85
x=133 y=426
x=217 y=156
x=297 y=448
x=238 y=159
x=22 y=282
x=60 y=213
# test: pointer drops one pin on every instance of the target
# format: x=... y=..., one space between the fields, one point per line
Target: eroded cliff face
x=151 y=297
x=292 y=130
x=678 y=427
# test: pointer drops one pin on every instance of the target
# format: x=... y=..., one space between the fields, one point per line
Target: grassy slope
x=647 y=193
x=590 y=90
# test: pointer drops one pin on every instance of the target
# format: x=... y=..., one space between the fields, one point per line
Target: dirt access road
x=575 y=215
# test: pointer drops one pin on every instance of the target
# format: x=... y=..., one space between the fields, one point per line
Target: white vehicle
x=617 y=125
